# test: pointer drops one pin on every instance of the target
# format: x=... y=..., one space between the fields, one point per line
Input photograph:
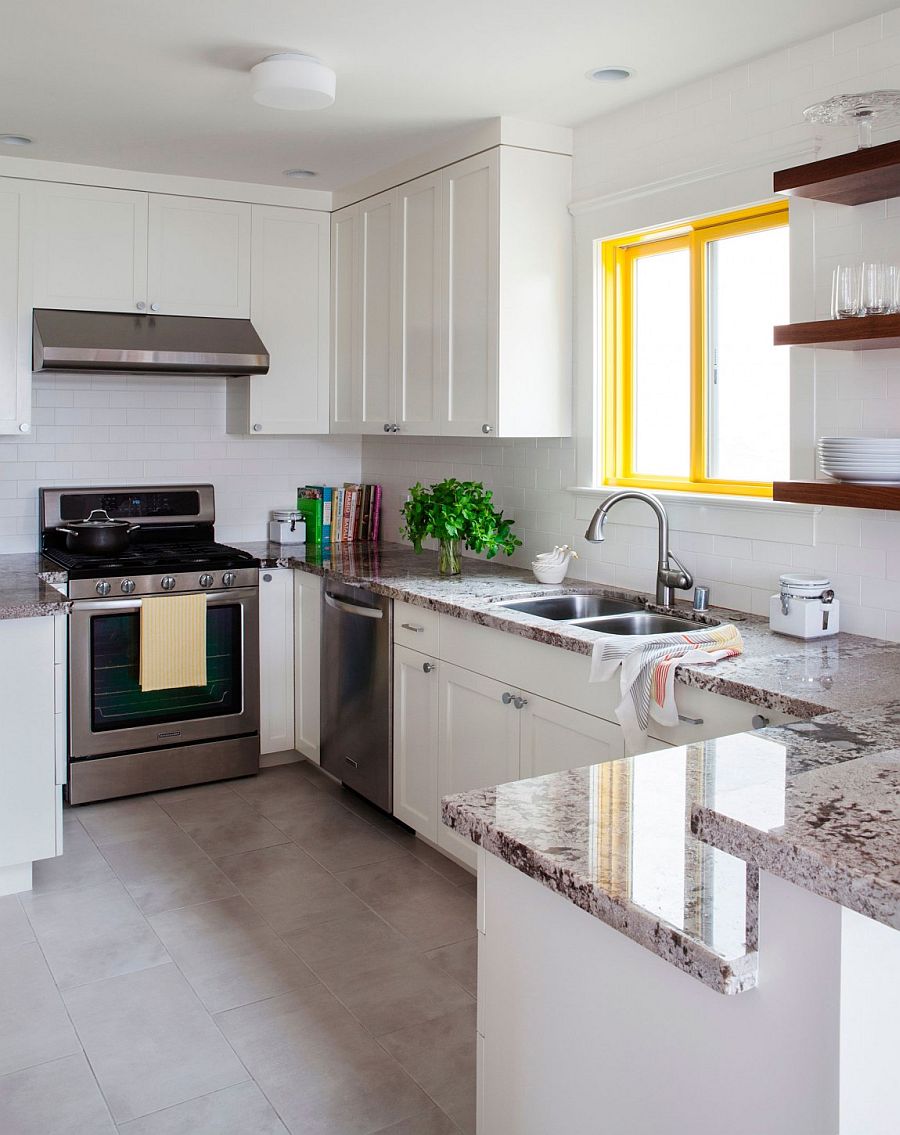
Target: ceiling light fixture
x=15 y=140
x=609 y=74
x=293 y=81
x=300 y=174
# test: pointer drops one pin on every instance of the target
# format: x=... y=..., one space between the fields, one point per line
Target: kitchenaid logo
x=171 y=733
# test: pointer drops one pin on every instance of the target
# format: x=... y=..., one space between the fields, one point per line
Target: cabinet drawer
x=712 y=715
x=416 y=627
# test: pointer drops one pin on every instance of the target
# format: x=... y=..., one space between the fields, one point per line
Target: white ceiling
x=163 y=86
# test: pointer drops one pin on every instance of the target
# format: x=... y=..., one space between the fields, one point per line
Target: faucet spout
x=668 y=577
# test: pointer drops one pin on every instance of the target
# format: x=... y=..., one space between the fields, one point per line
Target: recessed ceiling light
x=300 y=174
x=291 y=80
x=15 y=140
x=609 y=74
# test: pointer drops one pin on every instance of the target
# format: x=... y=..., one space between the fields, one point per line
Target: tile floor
x=264 y=955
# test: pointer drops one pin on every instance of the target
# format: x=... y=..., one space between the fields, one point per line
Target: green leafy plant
x=458 y=510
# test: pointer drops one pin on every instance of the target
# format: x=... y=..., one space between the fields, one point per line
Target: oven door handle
x=134 y=604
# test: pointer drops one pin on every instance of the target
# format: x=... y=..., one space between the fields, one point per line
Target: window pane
x=662 y=364
x=749 y=388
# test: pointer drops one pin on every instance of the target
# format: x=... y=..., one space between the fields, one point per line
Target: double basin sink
x=597 y=613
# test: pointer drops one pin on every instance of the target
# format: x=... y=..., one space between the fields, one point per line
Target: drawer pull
x=690 y=720
x=412 y=627
x=427 y=667
x=506 y=697
x=351 y=761
x=520 y=703
x=760 y=721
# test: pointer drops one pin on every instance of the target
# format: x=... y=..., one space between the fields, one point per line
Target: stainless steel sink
x=642 y=623
x=568 y=607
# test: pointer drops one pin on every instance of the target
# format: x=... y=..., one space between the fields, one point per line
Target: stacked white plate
x=872 y=459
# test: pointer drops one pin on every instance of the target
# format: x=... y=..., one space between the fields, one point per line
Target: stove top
x=150 y=557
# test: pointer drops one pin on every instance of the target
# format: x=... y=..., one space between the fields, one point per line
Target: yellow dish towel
x=173 y=641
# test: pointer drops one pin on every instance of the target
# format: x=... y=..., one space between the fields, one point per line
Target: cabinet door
x=471 y=252
x=276 y=660
x=416 y=740
x=379 y=315
x=346 y=385
x=90 y=248
x=15 y=307
x=28 y=788
x=556 y=737
x=289 y=308
x=420 y=369
x=198 y=257
x=307 y=662
x=479 y=742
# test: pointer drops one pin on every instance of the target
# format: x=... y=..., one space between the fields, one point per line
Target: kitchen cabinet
x=100 y=249
x=416 y=725
x=32 y=699
x=15 y=306
x=556 y=737
x=307 y=662
x=289 y=266
x=276 y=660
x=451 y=302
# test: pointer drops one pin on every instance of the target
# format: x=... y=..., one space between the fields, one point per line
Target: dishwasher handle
x=352 y=608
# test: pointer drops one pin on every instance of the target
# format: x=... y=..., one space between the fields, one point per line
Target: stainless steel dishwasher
x=356 y=690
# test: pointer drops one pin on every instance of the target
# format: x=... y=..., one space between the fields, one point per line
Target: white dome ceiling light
x=293 y=81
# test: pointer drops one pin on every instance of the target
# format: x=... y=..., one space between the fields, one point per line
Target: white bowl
x=555 y=574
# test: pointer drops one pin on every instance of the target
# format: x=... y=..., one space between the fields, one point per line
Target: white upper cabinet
x=90 y=248
x=198 y=259
x=15 y=307
x=289 y=268
x=420 y=378
x=345 y=383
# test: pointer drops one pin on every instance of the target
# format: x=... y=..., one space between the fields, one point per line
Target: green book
x=309 y=505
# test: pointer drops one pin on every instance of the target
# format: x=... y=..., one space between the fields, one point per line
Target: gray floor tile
x=289 y=889
x=440 y=1055
x=36 y=1027
x=241 y=1110
x=59 y=1098
x=344 y=940
x=229 y=953
x=441 y=863
x=391 y=988
x=150 y=1042
x=333 y=836
x=14 y=926
x=166 y=871
x=93 y=933
x=80 y=865
x=433 y=1122
x=424 y=907
x=116 y=821
x=219 y=820
x=320 y=1069
x=276 y=788
x=460 y=960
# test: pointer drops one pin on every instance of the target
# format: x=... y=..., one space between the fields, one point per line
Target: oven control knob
x=168 y=583
x=127 y=586
x=103 y=587
x=229 y=579
x=206 y=580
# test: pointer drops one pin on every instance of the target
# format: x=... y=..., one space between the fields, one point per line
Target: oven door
x=110 y=713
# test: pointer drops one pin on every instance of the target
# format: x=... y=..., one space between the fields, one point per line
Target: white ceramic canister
x=805 y=607
x=287 y=526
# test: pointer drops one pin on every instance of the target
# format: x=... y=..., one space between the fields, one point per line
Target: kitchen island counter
x=26 y=588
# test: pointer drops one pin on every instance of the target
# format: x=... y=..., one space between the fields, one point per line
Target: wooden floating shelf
x=841 y=494
x=866 y=175
x=865 y=333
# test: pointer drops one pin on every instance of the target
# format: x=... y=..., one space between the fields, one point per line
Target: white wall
x=102 y=430
x=705 y=148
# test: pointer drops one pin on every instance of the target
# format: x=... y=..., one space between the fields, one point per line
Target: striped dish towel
x=648 y=671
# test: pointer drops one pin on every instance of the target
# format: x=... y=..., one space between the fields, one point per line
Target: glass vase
x=450 y=558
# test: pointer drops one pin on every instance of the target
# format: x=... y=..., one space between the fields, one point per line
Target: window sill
x=702 y=500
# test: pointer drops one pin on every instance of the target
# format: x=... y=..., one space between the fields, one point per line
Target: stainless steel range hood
x=108 y=341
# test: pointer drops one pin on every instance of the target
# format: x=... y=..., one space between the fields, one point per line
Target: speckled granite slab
x=613 y=840
x=25 y=591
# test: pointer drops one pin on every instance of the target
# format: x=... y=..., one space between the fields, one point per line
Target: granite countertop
x=26 y=588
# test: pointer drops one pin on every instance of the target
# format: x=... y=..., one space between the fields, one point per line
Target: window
x=696 y=397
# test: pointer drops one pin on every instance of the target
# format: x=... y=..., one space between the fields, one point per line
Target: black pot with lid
x=99 y=534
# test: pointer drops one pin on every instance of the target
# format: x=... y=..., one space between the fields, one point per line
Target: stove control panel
x=156 y=584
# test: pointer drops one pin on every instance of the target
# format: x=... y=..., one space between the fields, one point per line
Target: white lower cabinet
x=30 y=794
x=416 y=707
x=307 y=662
x=276 y=660
x=556 y=737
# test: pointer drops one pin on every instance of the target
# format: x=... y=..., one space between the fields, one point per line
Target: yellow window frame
x=618 y=259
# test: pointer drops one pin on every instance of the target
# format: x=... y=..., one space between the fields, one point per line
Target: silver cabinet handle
x=690 y=720
x=154 y=307
x=387 y=427
x=760 y=721
x=395 y=429
x=520 y=703
x=427 y=667
x=140 y=305
x=506 y=697
x=412 y=627
x=267 y=578
x=486 y=429
x=352 y=608
x=257 y=428
x=351 y=761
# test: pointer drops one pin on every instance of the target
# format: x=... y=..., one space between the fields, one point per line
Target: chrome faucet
x=668 y=577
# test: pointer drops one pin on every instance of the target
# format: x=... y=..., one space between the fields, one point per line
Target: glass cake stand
x=862 y=109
